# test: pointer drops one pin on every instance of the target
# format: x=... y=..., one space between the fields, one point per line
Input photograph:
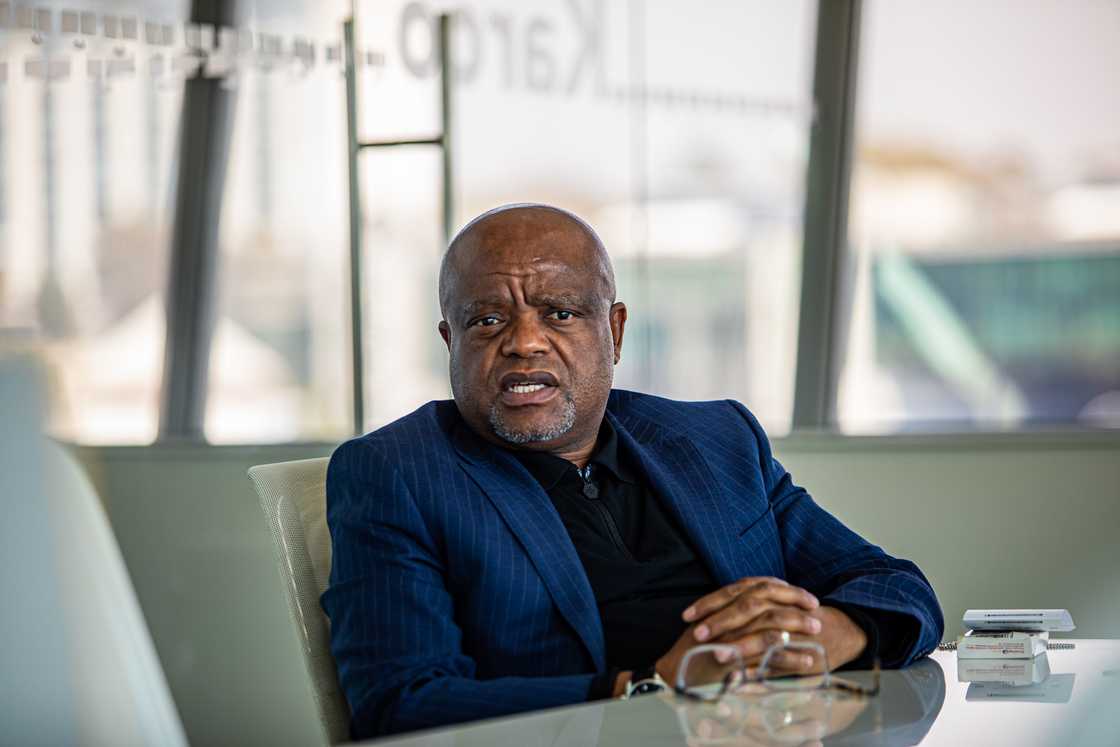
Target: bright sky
x=1040 y=77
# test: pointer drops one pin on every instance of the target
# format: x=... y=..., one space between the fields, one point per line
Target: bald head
x=530 y=232
x=532 y=328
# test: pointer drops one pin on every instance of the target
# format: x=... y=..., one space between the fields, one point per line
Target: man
x=544 y=540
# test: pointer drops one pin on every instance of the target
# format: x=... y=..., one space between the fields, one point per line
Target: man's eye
x=486 y=321
x=562 y=315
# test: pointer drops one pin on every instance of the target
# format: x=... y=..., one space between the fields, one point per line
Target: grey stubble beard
x=505 y=432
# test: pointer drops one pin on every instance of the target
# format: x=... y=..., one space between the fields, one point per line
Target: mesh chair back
x=293 y=497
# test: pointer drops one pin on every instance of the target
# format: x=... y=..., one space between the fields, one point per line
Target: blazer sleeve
x=393 y=631
x=838 y=566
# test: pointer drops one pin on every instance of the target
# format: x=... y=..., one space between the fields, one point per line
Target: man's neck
x=578 y=455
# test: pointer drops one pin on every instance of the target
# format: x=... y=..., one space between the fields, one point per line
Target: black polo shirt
x=643 y=568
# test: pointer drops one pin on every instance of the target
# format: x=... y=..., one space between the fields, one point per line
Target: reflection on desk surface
x=915 y=705
x=1023 y=680
x=1057 y=688
x=902 y=713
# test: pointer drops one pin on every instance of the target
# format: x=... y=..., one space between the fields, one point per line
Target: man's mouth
x=528 y=388
x=525 y=388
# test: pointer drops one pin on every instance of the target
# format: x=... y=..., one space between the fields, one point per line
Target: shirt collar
x=610 y=456
x=549 y=469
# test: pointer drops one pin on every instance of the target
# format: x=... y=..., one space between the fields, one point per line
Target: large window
x=980 y=277
x=279 y=360
x=678 y=131
x=89 y=114
x=681 y=135
x=985 y=220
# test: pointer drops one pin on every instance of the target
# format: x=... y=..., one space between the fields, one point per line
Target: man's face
x=532 y=333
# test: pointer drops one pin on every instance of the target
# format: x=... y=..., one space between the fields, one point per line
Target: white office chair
x=293 y=497
x=79 y=665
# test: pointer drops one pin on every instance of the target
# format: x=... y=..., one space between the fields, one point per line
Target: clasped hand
x=752 y=614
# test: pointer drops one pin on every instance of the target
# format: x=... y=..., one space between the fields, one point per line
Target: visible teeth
x=526 y=388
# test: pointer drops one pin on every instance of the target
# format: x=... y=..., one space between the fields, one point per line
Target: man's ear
x=445 y=333
x=618 y=328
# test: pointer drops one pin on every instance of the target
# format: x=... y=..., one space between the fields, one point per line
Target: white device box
x=1006 y=672
x=1054 y=621
x=1001 y=644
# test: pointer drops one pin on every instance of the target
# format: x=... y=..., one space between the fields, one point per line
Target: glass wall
x=279 y=363
x=985 y=218
x=680 y=132
x=982 y=287
x=89 y=112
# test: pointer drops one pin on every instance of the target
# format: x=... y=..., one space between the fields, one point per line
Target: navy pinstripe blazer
x=456 y=594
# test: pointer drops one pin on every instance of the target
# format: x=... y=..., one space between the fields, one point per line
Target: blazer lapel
x=532 y=518
x=680 y=476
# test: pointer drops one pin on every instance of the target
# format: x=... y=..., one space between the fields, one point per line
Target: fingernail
x=815 y=625
x=816 y=602
x=722 y=656
x=689 y=614
x=806 y=661
x=702 y=633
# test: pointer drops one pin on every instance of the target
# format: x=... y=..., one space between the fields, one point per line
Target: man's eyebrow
x=473 y=307
x=555 y=300
x=549 y=300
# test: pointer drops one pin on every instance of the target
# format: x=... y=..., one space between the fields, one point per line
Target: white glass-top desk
x=1066 y=697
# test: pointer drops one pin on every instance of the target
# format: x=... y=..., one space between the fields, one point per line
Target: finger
x=752 y=645
x=792 y=619
x=792 y=661
x=761 y=590
x=796 y=660
x=752 y=614
x=738 y=614
x=722 y=597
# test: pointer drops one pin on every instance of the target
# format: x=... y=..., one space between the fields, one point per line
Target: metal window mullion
x=826 y=212
x=205 y=131
x=355 y=148
x=353 y=189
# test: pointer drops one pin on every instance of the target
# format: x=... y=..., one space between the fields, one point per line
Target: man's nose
x=525 y=338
